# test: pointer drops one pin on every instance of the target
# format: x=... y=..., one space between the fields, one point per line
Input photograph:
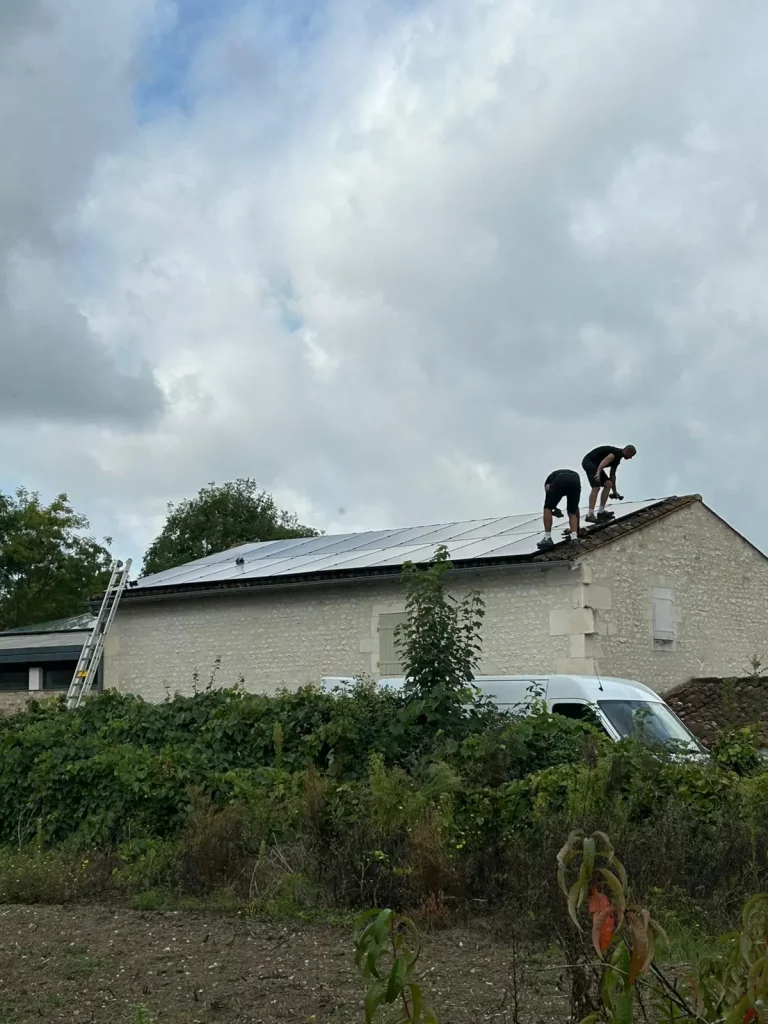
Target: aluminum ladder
x=93 y=648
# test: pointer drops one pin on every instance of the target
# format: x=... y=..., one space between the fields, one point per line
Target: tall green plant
x=440 y=642
x=387 y=948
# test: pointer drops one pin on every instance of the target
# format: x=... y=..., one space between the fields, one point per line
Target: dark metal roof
x=509 y=541
x=75 y=623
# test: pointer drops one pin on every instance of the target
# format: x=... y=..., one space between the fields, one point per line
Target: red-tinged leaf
x=603 y=927
x=751 y=1014
x=642 y=949
x=607 y=930
x=619 y=898
x=598 y=902
x=739 y=1011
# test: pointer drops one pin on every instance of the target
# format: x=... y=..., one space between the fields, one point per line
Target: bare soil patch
x=96 y=964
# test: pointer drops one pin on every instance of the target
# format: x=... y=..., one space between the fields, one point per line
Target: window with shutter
x=663 y=617
x=389 y=653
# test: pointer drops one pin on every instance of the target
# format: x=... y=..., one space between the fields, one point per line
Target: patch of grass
x=690 y=935
x=227 y=902
x=78 y=964
x=34 y=876
x=222 y=901
x=313 y=915
x=9 y=1012
x=52 y=1002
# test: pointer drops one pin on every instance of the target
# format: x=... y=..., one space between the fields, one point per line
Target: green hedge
x=349 y=800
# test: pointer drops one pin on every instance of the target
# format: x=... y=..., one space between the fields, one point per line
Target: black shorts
x=590 y=468
x=564 y=484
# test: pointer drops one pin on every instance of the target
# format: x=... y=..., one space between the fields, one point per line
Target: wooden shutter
x=663 y=614
x=389 y=655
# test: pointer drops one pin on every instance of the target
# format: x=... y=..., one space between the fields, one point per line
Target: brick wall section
x=707 y=706
x=293 y=637
x=721 y=597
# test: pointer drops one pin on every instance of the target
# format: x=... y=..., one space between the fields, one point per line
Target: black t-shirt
x=597 y=455
x=559 y=473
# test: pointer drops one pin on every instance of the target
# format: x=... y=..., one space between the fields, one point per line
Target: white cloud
x=402 y=264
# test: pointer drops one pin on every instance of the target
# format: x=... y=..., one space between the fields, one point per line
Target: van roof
x=513 y=689
x=563 y=686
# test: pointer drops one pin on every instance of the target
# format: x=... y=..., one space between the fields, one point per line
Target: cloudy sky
x=396 y=259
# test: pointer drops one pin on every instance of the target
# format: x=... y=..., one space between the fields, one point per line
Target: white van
x=622 y=706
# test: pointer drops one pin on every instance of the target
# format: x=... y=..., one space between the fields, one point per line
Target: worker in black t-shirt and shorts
x=563 y=483
x=600 y=465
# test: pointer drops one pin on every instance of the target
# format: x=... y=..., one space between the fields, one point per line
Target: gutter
x=137 y=596
x=46 y=632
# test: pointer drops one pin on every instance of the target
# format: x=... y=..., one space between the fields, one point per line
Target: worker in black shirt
x=600 y=465
x=563 y=483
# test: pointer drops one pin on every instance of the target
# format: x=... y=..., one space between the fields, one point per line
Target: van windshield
x=650 y=722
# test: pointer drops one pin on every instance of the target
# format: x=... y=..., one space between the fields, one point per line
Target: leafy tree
x=440 y=644
x=440 y=641
x=48 y=566
x=220 y=517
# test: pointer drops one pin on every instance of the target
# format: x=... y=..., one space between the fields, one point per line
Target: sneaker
x=545 y=544
x=590 y=517
x=604 y=516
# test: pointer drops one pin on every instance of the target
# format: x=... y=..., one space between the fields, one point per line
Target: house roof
x=710 y=706
x=508 y=541
x=75 y=623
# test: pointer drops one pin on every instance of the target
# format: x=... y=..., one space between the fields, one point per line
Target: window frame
x=663 y=619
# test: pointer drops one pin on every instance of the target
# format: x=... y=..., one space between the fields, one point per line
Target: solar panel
x=478 y=538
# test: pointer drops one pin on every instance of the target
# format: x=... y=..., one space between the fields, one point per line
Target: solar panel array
x=478 y=538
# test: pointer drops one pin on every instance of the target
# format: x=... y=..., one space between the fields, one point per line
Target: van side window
x=579 y=712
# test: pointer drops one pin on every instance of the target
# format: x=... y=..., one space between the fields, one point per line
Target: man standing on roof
x=600 y=465
x=563 y=483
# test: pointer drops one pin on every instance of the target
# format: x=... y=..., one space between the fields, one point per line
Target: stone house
x=668 y=591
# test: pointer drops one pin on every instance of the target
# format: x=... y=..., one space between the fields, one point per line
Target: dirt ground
x=95 y=965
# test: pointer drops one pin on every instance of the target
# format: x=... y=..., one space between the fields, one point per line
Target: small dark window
x=14 y=678
x=578 y=711
x=57 y=679
x=58 y=675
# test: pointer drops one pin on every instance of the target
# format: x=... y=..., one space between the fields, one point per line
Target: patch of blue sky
x=288 y=304
x=168 y=53
x=168 y=56
x=281 y=28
